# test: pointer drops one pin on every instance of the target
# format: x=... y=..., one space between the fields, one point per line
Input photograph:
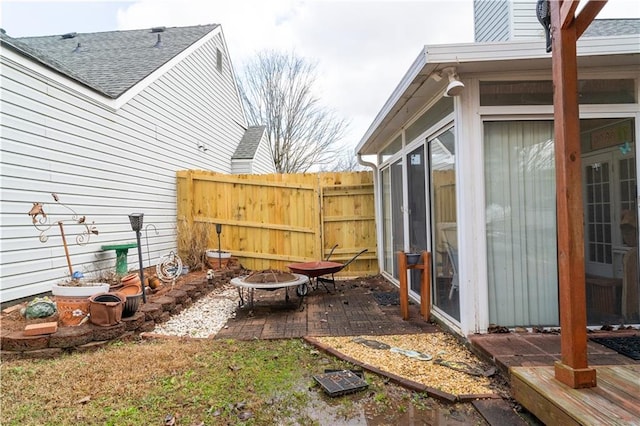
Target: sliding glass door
x=417 y=202
x=393 y=234
x=446 y=288
x=521 y=223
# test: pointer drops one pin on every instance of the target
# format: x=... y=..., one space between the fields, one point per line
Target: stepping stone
x=498 y=412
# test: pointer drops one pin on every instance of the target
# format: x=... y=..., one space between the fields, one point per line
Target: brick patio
x=349 y=310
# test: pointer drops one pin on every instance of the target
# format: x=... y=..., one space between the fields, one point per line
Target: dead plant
x=193 y=241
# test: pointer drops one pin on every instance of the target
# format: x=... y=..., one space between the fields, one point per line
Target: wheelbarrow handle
x=331 y=252
x=354 y=257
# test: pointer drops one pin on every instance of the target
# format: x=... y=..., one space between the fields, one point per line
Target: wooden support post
x=572 y=370
x=425 y=287
x=404 y=288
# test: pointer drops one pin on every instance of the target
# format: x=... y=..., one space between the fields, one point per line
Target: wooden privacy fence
x=269 y=221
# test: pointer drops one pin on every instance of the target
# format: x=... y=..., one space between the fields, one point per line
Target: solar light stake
x=136 y=220
x=218 y=231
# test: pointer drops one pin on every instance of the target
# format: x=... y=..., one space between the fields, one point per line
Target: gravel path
x=205 y=317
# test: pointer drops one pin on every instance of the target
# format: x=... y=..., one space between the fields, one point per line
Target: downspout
x=377 y=206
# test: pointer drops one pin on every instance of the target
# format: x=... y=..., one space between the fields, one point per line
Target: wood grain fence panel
x=269 y=221
x=349 y=220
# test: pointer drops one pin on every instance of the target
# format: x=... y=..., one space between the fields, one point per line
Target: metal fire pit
x=300 y=282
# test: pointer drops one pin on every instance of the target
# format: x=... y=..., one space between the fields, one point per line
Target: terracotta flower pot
x=72 y=302
x=131 y=279
x=106 y=309
x=130 y=290
x=218 y=259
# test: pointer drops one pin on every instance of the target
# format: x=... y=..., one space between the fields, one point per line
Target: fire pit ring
x=301 y=282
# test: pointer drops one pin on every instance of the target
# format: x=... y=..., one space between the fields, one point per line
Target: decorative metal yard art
x=169 y=268
x=43 y=224
x=146 y=236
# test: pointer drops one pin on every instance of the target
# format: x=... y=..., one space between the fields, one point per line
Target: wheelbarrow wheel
x=302 y=290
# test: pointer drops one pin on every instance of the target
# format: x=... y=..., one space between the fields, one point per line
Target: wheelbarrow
x=319 y=269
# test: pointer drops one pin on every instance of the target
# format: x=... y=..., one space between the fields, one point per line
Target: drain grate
x=336 y=383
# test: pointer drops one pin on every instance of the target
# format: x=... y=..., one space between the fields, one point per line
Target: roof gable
x=249 y=144
x=109 y=62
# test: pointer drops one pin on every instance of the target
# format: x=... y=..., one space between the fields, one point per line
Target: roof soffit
x=416 y=88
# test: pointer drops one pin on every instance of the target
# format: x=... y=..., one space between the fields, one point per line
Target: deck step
x=614 y=401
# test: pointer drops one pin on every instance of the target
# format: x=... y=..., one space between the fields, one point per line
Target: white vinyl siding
x=525 y=21
x=103 y=163
x=263 y=160
x=506 y=20
x=241 y=166
x=492 y=20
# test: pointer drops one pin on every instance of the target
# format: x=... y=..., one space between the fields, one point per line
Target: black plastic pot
x=131 y=305
x=413 y=258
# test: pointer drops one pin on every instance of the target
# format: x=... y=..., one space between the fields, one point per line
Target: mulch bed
x=387 y=298
x=625 y=345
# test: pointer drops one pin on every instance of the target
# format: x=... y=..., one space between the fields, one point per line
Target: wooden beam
x=404 y=287
x=587 y=15
x=567 y=12
x=572 y=369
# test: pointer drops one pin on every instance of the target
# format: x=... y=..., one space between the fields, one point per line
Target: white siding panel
x=105 y=164
x=525 y=22
x=241 y=167
x=263 y=160
x=491 y=20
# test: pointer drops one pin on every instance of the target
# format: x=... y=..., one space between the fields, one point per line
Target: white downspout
x=377 y=206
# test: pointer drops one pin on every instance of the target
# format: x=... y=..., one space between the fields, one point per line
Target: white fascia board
x=414 y=70
x=245 y=124
x=459 y=54
x=52 y=77
x=468 y=57
x=148 y=80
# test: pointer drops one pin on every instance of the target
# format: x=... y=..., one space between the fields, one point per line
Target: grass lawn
x=188 y=382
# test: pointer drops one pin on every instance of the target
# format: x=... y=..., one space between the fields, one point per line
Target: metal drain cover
x=341 y=382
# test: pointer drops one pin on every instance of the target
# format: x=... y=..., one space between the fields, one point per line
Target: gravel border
x=205 y=317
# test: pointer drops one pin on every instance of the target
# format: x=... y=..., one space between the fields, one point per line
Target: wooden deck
x=614 y=401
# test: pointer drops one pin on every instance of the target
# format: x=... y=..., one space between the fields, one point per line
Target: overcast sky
x=362 y=48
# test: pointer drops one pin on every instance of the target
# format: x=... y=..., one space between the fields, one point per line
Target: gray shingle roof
x=249 y=144
x=612 y=27
x=109 y=62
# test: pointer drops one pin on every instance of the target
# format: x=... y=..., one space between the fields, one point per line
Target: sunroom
x=469 y=175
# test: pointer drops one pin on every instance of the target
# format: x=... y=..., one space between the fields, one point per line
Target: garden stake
x=218 y=231
x=66 y=249
x=146 y=235
x=136 y=224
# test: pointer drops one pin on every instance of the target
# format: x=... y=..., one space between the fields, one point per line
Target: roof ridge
x=112 y=31
x=109 y=62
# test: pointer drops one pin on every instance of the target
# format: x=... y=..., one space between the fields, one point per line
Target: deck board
x=615 y=401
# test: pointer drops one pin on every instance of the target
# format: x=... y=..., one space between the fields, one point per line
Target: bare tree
x=276 y=89
x=345 y=162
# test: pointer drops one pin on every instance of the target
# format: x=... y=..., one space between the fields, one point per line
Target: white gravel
x=205 y=317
